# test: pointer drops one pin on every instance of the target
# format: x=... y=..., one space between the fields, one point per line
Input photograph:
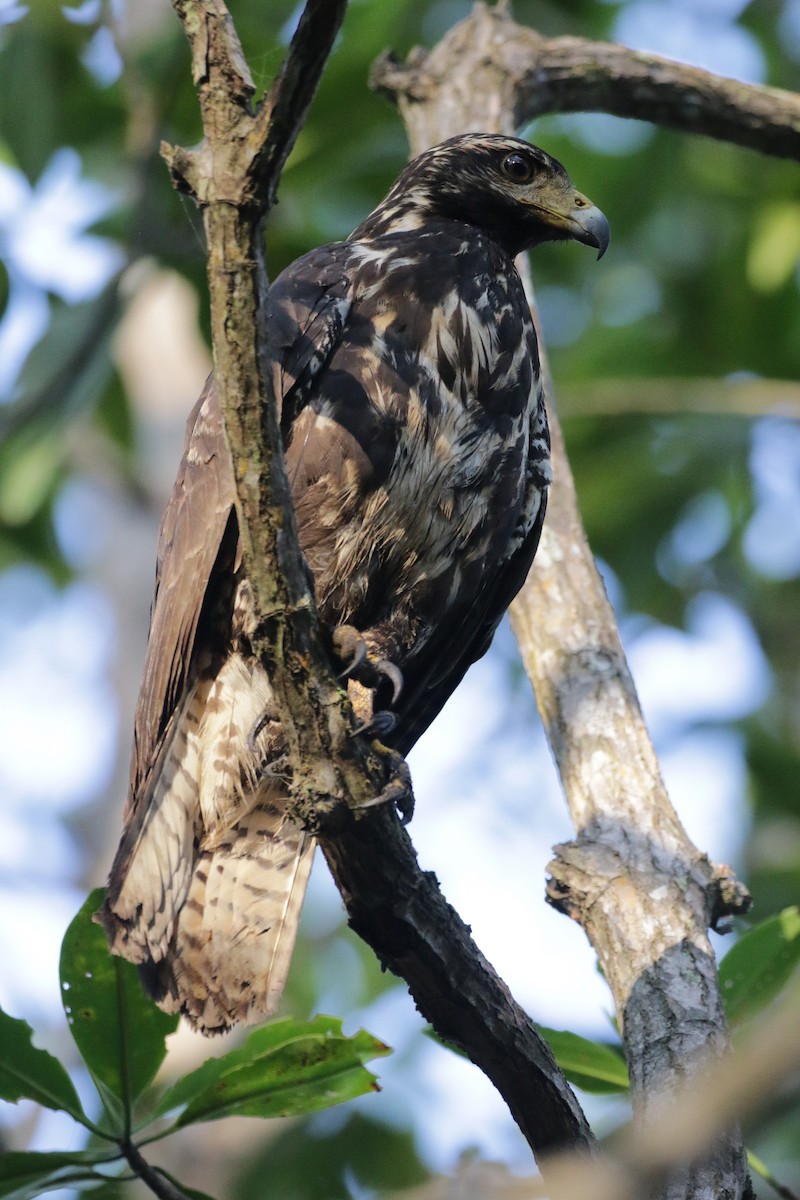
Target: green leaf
x=27 y=1072
x=756 y=969
x=356 y=1156
x=29 y=473
x=117 y=1029
x=24 y=1175
x=592 y=1066
x=284 y=1068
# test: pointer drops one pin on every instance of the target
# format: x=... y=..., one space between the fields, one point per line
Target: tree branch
x=567 y=74
x=643 y=893
x=401 y=912
x=158 y=1183
x=233 y=175
x=653 y=397
x=396 y=908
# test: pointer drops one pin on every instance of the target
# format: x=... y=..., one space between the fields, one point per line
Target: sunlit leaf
x=27 y=1072
x=284 y=1068
x=755 y=970
x=774 y=252
x=117 y=1029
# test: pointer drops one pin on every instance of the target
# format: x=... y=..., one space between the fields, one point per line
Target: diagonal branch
x=397 y=908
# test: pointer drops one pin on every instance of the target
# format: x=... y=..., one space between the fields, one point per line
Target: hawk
x=406 y=372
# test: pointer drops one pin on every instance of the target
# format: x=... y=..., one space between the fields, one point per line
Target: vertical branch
x=233 y=175
x=643 y=893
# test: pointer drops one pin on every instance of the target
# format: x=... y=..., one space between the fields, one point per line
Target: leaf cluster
x=284 y=1068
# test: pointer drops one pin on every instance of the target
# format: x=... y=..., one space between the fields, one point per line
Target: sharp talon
x=380 y=724
x=259 y=726
x=358 y=660
x=394 y=675
x=349 y=648
x=398 y=791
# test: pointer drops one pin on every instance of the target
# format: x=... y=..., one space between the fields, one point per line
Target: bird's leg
x=365 y=673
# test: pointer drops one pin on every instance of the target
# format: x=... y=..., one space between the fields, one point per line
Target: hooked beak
x=589 y=225
x=579 y=220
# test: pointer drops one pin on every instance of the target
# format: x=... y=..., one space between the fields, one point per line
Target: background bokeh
x=691 y=499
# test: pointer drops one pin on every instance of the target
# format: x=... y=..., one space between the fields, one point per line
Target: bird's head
x=509 y=189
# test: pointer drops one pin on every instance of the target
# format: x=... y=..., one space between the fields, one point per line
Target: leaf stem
x=157 y=1182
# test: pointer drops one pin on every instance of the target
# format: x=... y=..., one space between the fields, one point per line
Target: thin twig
x=654 y=396
x=158 y=1183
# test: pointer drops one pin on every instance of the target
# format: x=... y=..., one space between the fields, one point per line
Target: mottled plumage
x=406 y=370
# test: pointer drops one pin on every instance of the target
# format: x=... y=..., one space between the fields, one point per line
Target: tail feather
x=236 y=932
x=206 y=888
x=152 y=869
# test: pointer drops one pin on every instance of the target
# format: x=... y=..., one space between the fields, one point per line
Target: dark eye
x=518 y=168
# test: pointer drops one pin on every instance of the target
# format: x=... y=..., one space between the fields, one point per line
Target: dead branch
x=644 y=894
x=568 y=74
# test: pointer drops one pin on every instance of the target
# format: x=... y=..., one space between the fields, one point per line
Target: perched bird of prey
x=406 y=371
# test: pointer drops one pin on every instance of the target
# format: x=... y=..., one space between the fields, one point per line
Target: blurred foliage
x=701 y=281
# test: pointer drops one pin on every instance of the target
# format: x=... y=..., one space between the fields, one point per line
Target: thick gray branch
x=538 y=75
x=644 y=894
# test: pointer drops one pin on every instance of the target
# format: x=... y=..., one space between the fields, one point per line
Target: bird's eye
x=518 y=168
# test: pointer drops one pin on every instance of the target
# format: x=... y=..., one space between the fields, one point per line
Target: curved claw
x=393 y=674
x=398 y=791
x=350 y=648
x=260 y=724
x=379 y=724
x=348 y=644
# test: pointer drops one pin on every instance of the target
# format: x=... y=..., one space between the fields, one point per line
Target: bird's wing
x=307 y=310
x=457 y=646
x=198 y=549
x=467 y=633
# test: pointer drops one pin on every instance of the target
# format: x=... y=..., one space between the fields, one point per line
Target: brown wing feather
x=207 y=883
x=197 y=546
